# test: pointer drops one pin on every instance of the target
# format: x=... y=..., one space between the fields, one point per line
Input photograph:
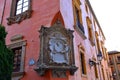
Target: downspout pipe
x=3 y=11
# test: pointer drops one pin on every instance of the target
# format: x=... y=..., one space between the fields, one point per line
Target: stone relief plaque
x=59 y=48
x=56 y=49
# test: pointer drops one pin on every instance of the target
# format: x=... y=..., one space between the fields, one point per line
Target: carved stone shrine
x=56 y=50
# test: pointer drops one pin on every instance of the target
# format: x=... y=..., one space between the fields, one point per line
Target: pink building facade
x=24 y=26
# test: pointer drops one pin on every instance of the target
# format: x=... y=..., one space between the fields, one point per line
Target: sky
x=108 y=15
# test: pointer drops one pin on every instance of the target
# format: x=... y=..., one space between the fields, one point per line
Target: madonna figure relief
x=58 y=49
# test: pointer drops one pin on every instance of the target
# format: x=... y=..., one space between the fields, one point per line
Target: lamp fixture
x=99 y=56
x=91 y=62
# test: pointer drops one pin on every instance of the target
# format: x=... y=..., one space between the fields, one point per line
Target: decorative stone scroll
x=56 y=50
x=19 y=18
x=59 y=73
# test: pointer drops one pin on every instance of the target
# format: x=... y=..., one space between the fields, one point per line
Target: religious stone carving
x=56 y=49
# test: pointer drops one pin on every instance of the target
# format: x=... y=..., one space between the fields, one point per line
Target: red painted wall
x=45 y=13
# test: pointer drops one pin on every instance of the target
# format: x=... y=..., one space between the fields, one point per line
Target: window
x=78 y=1
x=86 y=8
x=90 y=30
x=103 y=50
x=94 y=22
x=22 y=6
x=82 y=61
x=78 y=21
x=97 y=40
x=103 y=75
x=17 y=58
x=110 y=61
x=112 y=68
x=19 y=53
x=108 y=75
x=118 y=58
x=95 y=70
x=20 y=10
x=78 y=17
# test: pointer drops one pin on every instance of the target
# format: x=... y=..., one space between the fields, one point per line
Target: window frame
x=82 y=56
x=79 y=29
x=22 y=4
x=20 y=17
x=17 y=58
x=78 y=19
x=96 y=71
x=18 y=75
x=86 y=8
x=82 y=52
x=103 y=51
x=97 y=40
x=90 y=31
x=118 y=58
x=103 y=73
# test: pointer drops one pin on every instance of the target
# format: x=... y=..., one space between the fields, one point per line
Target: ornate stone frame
x=18 y=75
x=44 y=62
x=20 y=17
x=79 y=29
